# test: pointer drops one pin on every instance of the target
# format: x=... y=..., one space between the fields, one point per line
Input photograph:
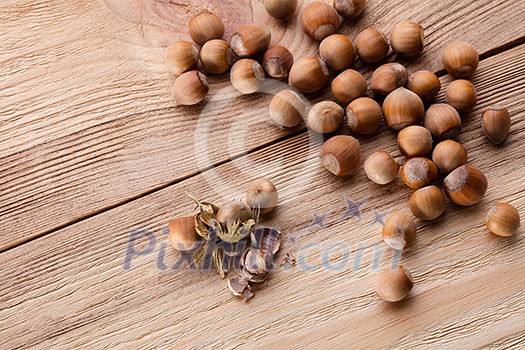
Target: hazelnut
x=503 y=220
x=337 y=51
x=204 y=27
x=399 y=231
x=407 y=38
x=348 y=86
x=232 y=213
x=449 y=155
x=183 y=236
x=363 y=115
x=419 y=172
x=280 y=9
x=394 y=285
x=349 y=8
x=247 y=76
x=387 y=78
x=415 y=141
x=371 y=45
x=277 y=61
x=443 y=121
x=287 y=109
x=216 y=56
x=250 y=40
x=341 y=155
x=425 y=84
x=381 y=168
x=427 y=203
x=460 y=59
x=465 y=185
x=461 y=95
x=309 y=74
x=325 y=117
x=190 y=88
x=181 y=56
x=402 y=108
x=319 y=20
x=262 y=195
x=495 y=122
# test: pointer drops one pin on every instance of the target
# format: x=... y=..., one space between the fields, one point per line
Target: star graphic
x=353 y=208
x=319 y=220
x=379 y=217
x=291 y=239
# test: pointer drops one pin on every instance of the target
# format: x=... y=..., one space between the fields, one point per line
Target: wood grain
x=85 y=119
x=69 y=289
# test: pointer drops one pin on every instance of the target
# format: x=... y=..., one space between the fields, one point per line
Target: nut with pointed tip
x=394 y=285
x=387 y=78
x=325 y=117
x=399 y=231
x=247 y=76
x=280 y=9
x=427 y=203
x=190 y=88
x=381 y=168
x=461 y=95
x=250 y=40
x=466 y=185
x=363 y=115
x=338 y=51
x=341 y=155
x=287 y=109
x=495 y=122
x=204 y=27
x=407 y=38
x=425 y=84
x=181 y=56
x=415 y=141
x=449 y=155
x=460 y=59
x=349 y=8
x=443 y=121
x=309 y=74
x=277 y=61
x=231 y=212
x=419 y=172
x=262 y=195
x=183 y=236
x=402 y=108
x=319 y=20
x=348 y=86
x=503 y=220
x=216 y=56
x=371 y=45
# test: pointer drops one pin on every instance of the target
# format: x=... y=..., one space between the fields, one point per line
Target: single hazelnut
x=341 y=155
x=363 y=115
x=415 y=141
x=387 y=78
x=407 y=38
x=381 y=168
x=280 y=9
x=402 y=108
x=495 y=122
x=348 y=86
x=181 y=56
x=204 y=27
x=309 y=74
x=190 y=88
x=460 y=59
x=262 y=195
x=250 y=40
x=394 y=285
x=503 y=220
x=443 y=121
x=216 y=56
x=247 y=76
x=337 y=51
x=465 y=185
x=419 y=172
x=449 y=155
x=232 y=213
x=183 y=236
x=461 y=95
x=349 y=8
x=319 y=20
x=371 y=45
x=399 y=231
x=325 y=117
x=427 y=203
x=277 y=61
x=425 y=84
x=287 y=109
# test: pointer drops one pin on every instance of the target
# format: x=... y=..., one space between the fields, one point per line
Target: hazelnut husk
x=503 y=220
x=325 y=117
x=387 y=78
x=466 y=185
x=183 y=235
x=277 y=62
x=363 y=115
x=348 y=86
x=443 y=121
x=309 y=74
x=181 y=56
x=407 y=39
x=338 y=51
x=371 y=45
x=319 y=20
x=280 y=9
x=495 y=123
x=419 y=172
x=262 y=195
x=425 y=84
x=402 y=108
x=287 y=109
x=449 y=155
x=461 y=95
x=460 y=59
x=216 y=56
x=247 y=76
x=349 y=8
x=415 y=141
x=250 y=40
x=381 y=168
x=399 y=231
x=394 y=285
x=204 y=27
x=341 y=155
x=190 y=88
x=427 y=203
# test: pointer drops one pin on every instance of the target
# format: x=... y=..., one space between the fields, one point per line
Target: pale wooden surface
x=86 y=126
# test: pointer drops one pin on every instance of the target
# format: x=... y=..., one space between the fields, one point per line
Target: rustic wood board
x=69 y=288
x=85 y=119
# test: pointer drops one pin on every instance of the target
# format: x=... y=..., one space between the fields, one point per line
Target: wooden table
x=93 y=152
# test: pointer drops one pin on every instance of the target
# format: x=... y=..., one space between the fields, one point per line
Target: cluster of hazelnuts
x=426 y=131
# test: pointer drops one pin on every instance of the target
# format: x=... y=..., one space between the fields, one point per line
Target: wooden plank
x=85 y=119
x=70 y=289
